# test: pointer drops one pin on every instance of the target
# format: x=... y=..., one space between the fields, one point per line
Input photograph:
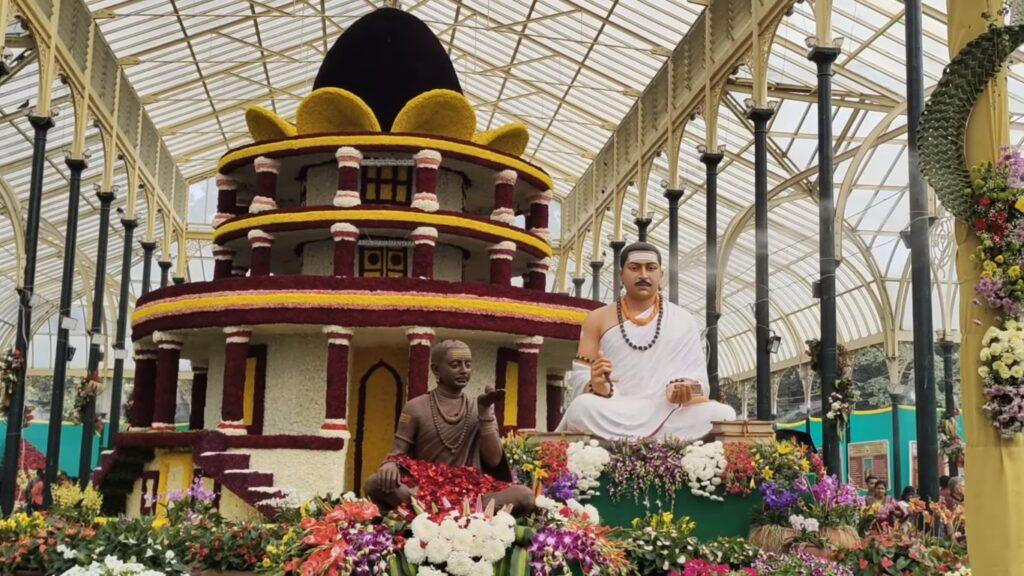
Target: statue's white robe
x=639 y=407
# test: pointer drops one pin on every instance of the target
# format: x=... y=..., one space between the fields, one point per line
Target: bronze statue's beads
x=463 y=413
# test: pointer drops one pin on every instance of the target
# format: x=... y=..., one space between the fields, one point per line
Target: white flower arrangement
x=1003 y=352
x=703 y=465
x=802 y=524
x=112 y=566
x=961 y=571
x=587 y=460
x=460 y=544
x=561 y=513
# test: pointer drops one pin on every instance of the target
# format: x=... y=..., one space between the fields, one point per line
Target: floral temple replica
x=346 y=243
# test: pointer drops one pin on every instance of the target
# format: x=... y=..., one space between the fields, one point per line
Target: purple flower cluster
x=831 y=493
x=799 y=564
x=554 y=548
x=1013 y=162
x=563 y=489
x=370 y=549
x=778 y=497
x=1005 y=407
x=639 y=466
x=993 y=290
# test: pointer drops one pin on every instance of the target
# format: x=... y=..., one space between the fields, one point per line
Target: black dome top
x=387 y=58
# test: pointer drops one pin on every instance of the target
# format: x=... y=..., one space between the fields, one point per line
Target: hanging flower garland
x=844 y=398
x=86 y=390
x=951 y=446
x=11 y=363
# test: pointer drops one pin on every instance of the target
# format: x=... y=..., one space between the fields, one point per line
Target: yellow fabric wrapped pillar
x=995 y=468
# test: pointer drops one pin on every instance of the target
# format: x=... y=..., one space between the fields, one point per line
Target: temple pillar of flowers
x=165 y=397
x=266 y=185
x=345 y=237
x=427 y=164
x=349 y=165
x=223 y=262
x=227 y=199
x=196 y=416
x=537 y=275
x=537 y=219
x=420 y=340
x=501 y=255
x=504 y=189
x=424 y=240
x=339 y=342
x=236 y=354
x=144 y=388
x=259 y=260
x=528 y=350
x=555 y=389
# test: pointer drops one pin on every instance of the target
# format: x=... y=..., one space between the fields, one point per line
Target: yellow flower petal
x=265 y=125
x=437 y=113
x=510 y=139
x=333 y=110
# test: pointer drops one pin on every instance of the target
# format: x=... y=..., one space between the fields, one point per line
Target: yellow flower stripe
x=300 y=299
x=300 y=145
x=350 y=215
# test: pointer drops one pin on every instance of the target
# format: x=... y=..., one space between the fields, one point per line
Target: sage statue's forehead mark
x=458 y=352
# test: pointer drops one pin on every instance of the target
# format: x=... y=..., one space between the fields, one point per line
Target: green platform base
x=714 y=519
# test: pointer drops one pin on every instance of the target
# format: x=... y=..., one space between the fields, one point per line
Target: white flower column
x=339 y=341
x=259 y=259
x=350 y=163
x=555 y=388
x=420 y=340
x=345 y=237
x=196 y=418
x=424 y=240
x=227 y=199
x=537 y=220
x=537 y=275
x=236 y=354
x=427 y=164
x=223 y=262
x=266 y=185
x=165 y=397
x=141 y=415
x=504 y=197
x=501 y=255
x=526 y=409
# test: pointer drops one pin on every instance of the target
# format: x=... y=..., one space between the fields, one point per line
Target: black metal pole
x=897 y=470
x=617 y=246
x=16 y=411
x=673 y=197
x=823 y=57
x=165 y=270
x=122 y=329
x=577 y=284
x=89 y=416
x=595 y=282
x=760 y=117
x=946 y=346
x=711 y=161
x=178 y=280
x=920 y=267
x=147 y=264
x=60 y=365
x=641 y=228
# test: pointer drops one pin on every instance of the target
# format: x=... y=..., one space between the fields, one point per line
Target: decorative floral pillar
x=424 y=239
x=345 y=237
x=259 y=261
x=420 y=340
x=236 y=354
x=504 y=189
x=501 y=255
x=349 y=165
x=537 y=275
x=196 y=416
x=266 y=185
x=555 y=391
x=529 y=354
x=165 y=398
x=537 y=221
x=223 y=262
x=227 y=198
x=141 y=415
x=339 y=341
x=427 y=164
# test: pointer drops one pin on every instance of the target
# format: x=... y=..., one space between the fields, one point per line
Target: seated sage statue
x=447 y=448
x=640 y=371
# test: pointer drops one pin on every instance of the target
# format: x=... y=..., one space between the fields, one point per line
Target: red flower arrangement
x=444 y=487
x=741 y=471
x=554 y=460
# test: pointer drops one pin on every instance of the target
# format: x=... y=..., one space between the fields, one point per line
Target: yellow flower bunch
x=160 y=523
x=22 y=523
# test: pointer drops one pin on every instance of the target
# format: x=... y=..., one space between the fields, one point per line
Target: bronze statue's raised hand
x=489 y=397
x=390 y=476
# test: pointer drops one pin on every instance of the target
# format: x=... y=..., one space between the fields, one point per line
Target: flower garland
x=843 y=399
x=87 y=388
x=951 y=446
x=11 y=363
x=1002 y=373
